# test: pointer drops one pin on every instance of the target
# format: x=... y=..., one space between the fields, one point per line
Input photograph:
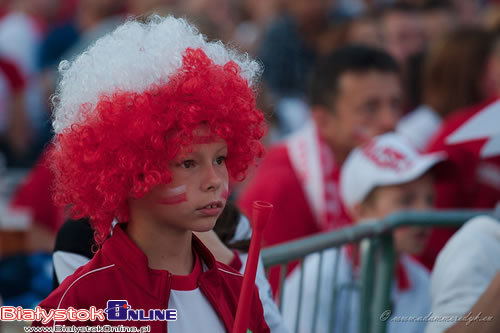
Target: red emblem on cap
x=387 y=157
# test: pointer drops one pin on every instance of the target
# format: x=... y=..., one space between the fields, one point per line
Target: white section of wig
x=132 y=58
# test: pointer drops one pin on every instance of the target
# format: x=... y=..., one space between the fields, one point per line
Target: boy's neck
x=166 y=249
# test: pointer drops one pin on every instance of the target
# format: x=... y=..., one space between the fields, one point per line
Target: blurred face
x=417 y=195
x=403 y=35
x=197 y=194
x=366 y=33
x=308 y=11
x=367 y=104
x=102 y=8
x=437 y=24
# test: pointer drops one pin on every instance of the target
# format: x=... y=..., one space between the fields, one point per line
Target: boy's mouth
x=212 y=209
x=213 y=204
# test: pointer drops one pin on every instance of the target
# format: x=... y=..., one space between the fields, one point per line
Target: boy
x=229 y=242
x=152 y=122
x=380 y=178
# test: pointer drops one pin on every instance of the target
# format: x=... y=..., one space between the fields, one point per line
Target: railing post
x=366 y=285
x=384 y=274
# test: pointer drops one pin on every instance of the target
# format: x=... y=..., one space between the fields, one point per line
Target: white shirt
x=194 y=311
x=414 y=301
x=464 y=269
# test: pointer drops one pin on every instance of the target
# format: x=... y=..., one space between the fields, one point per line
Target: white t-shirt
x=464 y=269
x=414 y=301
x=187 y=298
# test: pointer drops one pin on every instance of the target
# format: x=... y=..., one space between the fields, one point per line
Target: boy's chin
x=206 y=224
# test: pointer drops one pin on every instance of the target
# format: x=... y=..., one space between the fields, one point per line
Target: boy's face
x=417 y=195
x=197 y=194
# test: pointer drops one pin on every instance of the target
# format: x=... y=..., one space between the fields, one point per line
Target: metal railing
x=377 y=264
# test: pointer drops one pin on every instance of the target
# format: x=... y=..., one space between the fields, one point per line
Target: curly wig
x=125 y=107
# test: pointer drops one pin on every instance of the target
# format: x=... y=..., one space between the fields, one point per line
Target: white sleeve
x=463 y=270
x=66 y=263
x=243 y=230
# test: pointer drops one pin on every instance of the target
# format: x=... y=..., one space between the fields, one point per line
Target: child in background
x=384 y=176
x=152 y=122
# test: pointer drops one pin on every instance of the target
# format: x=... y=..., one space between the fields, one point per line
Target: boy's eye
x=188 y=164
x=220 y=160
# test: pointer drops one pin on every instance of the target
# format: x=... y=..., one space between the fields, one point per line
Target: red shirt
x=120 y=271
x=13 y=74
x=465 y=181
x=36 y=194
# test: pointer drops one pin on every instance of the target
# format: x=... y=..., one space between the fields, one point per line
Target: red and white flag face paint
x=175 y=195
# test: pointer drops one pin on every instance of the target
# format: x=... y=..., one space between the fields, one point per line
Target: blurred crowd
x=446 y=56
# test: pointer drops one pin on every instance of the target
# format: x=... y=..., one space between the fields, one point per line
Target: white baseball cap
x=386 y=160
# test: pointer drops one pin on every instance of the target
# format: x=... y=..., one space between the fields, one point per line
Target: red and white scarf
x=317 y=171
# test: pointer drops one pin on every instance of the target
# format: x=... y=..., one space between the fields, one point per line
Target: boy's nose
x=212 y=180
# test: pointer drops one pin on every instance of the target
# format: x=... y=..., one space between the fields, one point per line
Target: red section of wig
x=122 y=148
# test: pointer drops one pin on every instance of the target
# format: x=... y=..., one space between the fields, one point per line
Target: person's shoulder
x=476 y=243
x=81 y=289
x=277 y=155
x=478 y=232
x=454 y=121
x=481 y=225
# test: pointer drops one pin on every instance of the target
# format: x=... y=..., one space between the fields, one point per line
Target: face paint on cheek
x=174 y=196
x=225 y=191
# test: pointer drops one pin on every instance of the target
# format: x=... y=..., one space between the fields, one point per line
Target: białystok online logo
x=116 y=310
x=120 y=310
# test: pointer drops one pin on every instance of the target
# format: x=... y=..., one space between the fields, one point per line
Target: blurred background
x=448 y=52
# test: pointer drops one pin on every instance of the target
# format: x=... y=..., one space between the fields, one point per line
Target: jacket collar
x=129 y=258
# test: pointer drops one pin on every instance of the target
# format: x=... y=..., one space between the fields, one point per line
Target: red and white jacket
x=120 y=271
